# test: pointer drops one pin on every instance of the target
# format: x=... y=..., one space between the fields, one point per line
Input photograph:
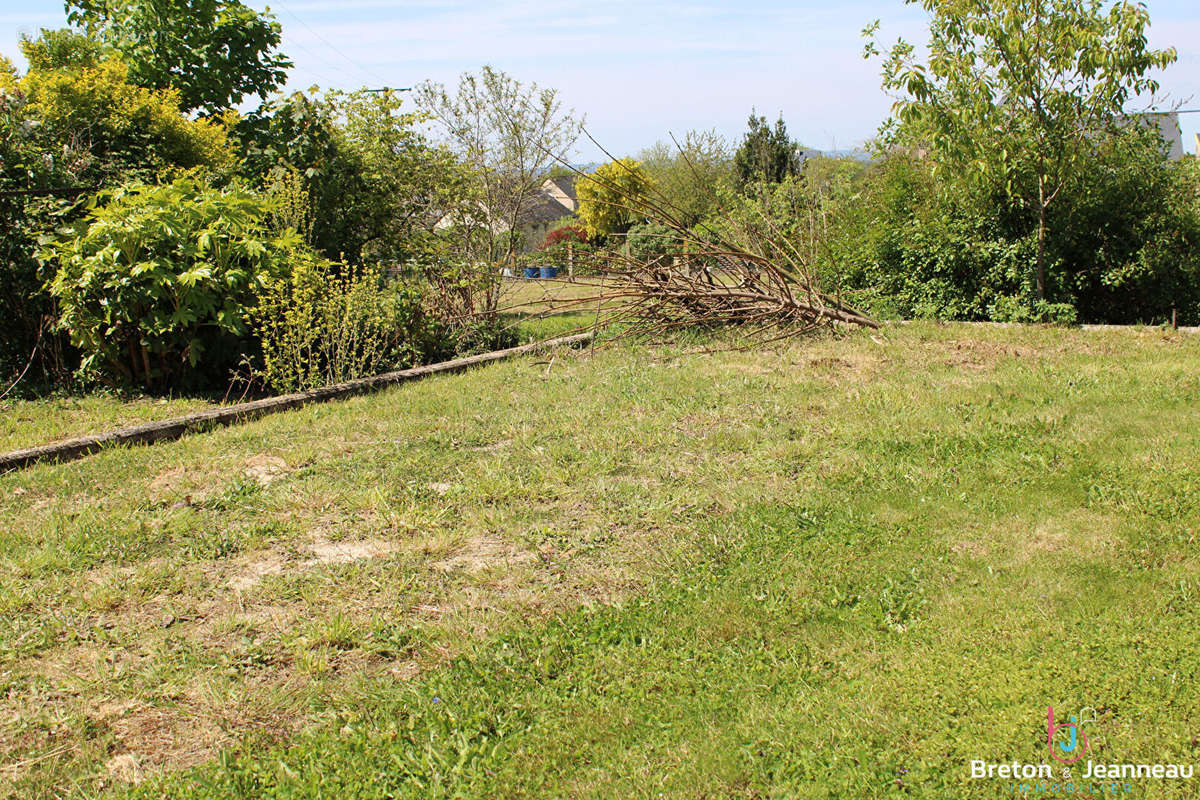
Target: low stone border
x=171 y=429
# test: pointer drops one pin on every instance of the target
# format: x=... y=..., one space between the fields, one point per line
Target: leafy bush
x=572 y=234
x=324 y=323
x=24 y=307
x=566 y=247
x=74 y=120
x=1129 y=240
x=155 y=284
x=650 y=241
x=1123 y=247
x=111 y=128
x=372 y=183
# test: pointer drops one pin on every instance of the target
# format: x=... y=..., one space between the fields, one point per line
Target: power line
x=325 y=78
x=333 y=47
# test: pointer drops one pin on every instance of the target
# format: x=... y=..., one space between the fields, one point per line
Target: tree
x=406 y=183
x=687 y=174
x=1016 y=94
x=509 y=135
x=766 y=155
x=374 y=185
x=214 y=52
x=610 y=198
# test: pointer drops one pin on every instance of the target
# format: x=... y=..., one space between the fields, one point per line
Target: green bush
x=650 y=241
x=325 y=323
x=1124 y=244
x=155 y=283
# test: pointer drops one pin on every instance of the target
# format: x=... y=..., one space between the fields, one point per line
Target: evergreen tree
x=766 y=155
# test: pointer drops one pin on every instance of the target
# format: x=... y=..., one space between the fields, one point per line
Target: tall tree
x=215 y=52
x=509 y=134
x=766 y=155
x=1017 y=92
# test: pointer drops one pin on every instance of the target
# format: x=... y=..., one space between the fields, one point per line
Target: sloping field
x=844 y=568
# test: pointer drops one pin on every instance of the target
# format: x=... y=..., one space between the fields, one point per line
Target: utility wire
x=375 y=76
x=346 y=75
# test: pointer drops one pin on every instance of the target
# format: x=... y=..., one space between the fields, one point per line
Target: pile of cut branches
x=753 y=276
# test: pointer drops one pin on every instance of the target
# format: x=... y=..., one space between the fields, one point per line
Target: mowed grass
x=28 y=423
x=843 y=567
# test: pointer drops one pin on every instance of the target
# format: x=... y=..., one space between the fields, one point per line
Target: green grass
x=26 y=423
x=839 y=568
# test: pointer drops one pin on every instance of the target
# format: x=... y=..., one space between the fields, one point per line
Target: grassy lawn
x=841 y=568
x=28 y=423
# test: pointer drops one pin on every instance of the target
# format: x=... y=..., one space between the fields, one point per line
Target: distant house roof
x=545 y=209
x=553 y=200
x=1167 y=123
x=566 y=184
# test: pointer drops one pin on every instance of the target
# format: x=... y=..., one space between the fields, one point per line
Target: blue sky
x=637 y=70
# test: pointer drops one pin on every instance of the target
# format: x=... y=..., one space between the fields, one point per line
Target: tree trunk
x=1041 y=242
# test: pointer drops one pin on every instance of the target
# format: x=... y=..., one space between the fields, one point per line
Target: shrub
x=650 y=241
x=74 y=119
x=568 y=234
x=1124 y=246
x=325 y=323
x=123 y=128
x=155 y=283
x=566 y=248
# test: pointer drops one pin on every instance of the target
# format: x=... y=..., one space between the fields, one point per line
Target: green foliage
x=688 y=175
x=291 y=205
x=1015 y=94
x=155 y=284
x=649 y=241
x=74 y=120
x=61 y=49
x=405 y=183
x=1127 y=234
x=24 y=308
x=373 y=183
x=809 y=217
x=106 y=127
x=611 y=198
x=1122 y=243
x=766 y=155
x=320 y=324
x=213 y=52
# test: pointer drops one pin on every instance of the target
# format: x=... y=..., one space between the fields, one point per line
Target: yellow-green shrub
x=324 y=323
x=100 y=105
x=156 y=283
